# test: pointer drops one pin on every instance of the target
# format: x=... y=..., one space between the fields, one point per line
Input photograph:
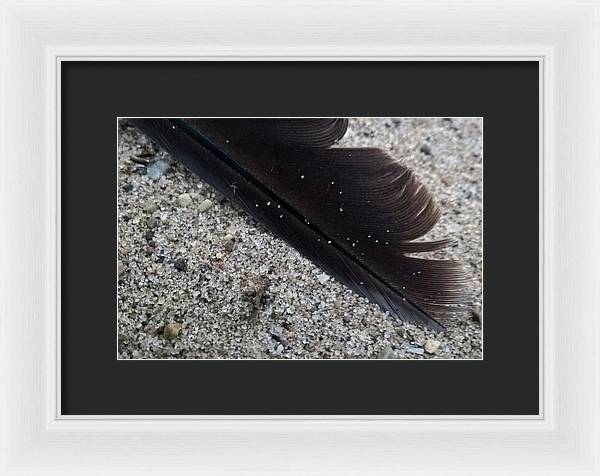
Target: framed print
x=343 y=240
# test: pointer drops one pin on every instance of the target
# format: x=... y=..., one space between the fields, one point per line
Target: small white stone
x=184 y=199
x=205 y=205
x=416 y=350
x=322 y=278
x=431 y=346
x=157 y=169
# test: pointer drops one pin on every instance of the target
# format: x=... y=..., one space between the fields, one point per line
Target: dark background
x=504 y=93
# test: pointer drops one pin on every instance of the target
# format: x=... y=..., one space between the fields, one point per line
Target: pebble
x=157 y=169
x=140 y=160
x=172 y=330
x=416 y=350
x=149 y=235
x=127 y=187
x=322 y=278
x=121 y=268
x=180 y=264
x=205 y=205
x=431 y=346
x=386 y=353
x=152 y=222
x=277 y=332
x=184 y=199
x=150 y=206
x=228 y=243
x=425 y=149
x=255 y=291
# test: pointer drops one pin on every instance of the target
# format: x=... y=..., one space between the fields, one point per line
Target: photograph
x=329 y=238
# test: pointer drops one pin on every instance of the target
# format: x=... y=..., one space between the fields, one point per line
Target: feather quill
x=355 y=212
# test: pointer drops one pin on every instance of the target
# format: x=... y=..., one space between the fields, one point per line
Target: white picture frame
x=562 y=36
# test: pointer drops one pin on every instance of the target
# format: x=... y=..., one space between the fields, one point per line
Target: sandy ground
x=198 y=278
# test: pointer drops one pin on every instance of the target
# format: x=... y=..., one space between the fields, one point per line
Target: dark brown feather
x=354 y=212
